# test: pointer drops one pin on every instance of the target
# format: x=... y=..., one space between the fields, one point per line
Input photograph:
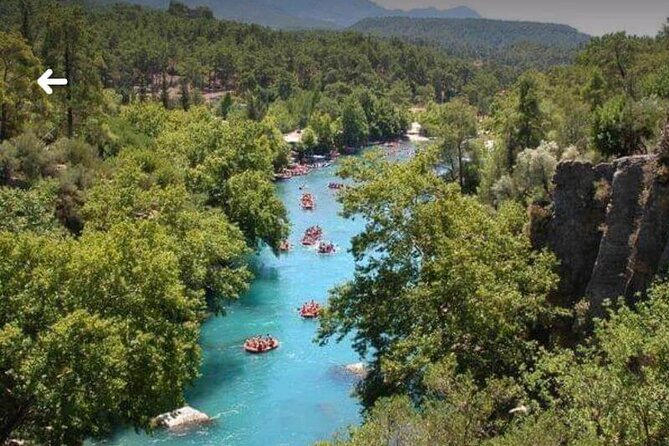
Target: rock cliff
x=608 y=225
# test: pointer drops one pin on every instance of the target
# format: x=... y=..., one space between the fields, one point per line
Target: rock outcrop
x=609 y=228
x=183 y=418
x=612 y=272
x=358 y=369
x=574 y=231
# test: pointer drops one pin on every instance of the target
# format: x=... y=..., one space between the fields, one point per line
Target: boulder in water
x=181 y=418
x=358 y=369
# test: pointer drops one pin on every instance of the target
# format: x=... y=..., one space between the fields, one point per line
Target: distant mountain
x=297 y=14
x=340 y=13
x=459 y=12
x=347 y=12
x=262 y=12
x=523 y=44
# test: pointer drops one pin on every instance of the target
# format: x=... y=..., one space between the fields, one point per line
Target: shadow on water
x=217 y=371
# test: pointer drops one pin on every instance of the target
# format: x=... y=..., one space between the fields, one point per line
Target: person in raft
x=310 y=309
x=259 y=344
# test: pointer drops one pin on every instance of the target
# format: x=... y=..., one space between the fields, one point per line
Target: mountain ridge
x=302 y=14
x=511 y=42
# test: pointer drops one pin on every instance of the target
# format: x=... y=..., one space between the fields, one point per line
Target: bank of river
x=297 y=394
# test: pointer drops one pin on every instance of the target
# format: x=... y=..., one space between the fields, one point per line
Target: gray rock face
x=611 y=271
x=574 y=232
x=652 y=239
x=609 y=229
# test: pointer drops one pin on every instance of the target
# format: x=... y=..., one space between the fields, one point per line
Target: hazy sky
x=591 y=16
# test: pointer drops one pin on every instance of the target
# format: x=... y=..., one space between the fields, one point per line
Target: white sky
x=594 y=17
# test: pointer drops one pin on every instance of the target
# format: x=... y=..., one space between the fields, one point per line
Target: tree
x=595 y=90
x=612 y=388
x=455 y=124
x=226 y=105
x=527 y=132
x=144 y=187
x=616 y=386
x=31 y=210
x=93 y=330
x=327 y=130
x=532 y=177
x=458 y=412
x=615 y=55
x=518 y=118
x=436 y=274
x=69 y=49
x=19 y=95
x=355 y=129
x=253 y=204
x=623 y=126
x=185 y=94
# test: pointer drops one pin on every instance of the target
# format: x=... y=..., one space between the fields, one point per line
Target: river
x=294 y=395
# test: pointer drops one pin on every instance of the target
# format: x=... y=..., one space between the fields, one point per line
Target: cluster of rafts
x=267 y=343
x=313 y=236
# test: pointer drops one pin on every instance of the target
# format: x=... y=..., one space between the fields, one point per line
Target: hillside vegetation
x=521 y=44
x=532 y=308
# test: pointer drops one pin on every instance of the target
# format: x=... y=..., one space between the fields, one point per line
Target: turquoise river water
x=294 y=395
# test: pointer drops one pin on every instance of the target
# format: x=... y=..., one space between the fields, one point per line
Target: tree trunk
x=3 y=122
x=68 y=76
x=461 y=174
x=164 y=93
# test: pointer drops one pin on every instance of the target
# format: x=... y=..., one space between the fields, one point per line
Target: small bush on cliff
x=623 y=126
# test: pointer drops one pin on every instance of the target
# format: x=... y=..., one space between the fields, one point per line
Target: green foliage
x=103 y=329
x=615 y=55
x=457 y=413
x=616 y=387
x=265 y=65
x=226 y=104
x=93 y=330
x=254 y=206
x=355 y=128
x=436 y=274
x=454 y=123
x=24 y=160
x=146 y=187
x=19 y=95
x=531 y=180
x=68 y=48
x=384 y=120
x=527 y=132
x=125 y=221
x=623 y=126
x=29 y=210
x=611 y=391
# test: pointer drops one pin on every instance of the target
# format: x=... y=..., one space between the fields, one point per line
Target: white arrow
x=45 y=81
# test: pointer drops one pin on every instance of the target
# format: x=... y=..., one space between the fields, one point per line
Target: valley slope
x=522 y=44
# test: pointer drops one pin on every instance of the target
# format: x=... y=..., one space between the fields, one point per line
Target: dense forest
x=520 y=44
x=132 y=199
x=463 y=318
